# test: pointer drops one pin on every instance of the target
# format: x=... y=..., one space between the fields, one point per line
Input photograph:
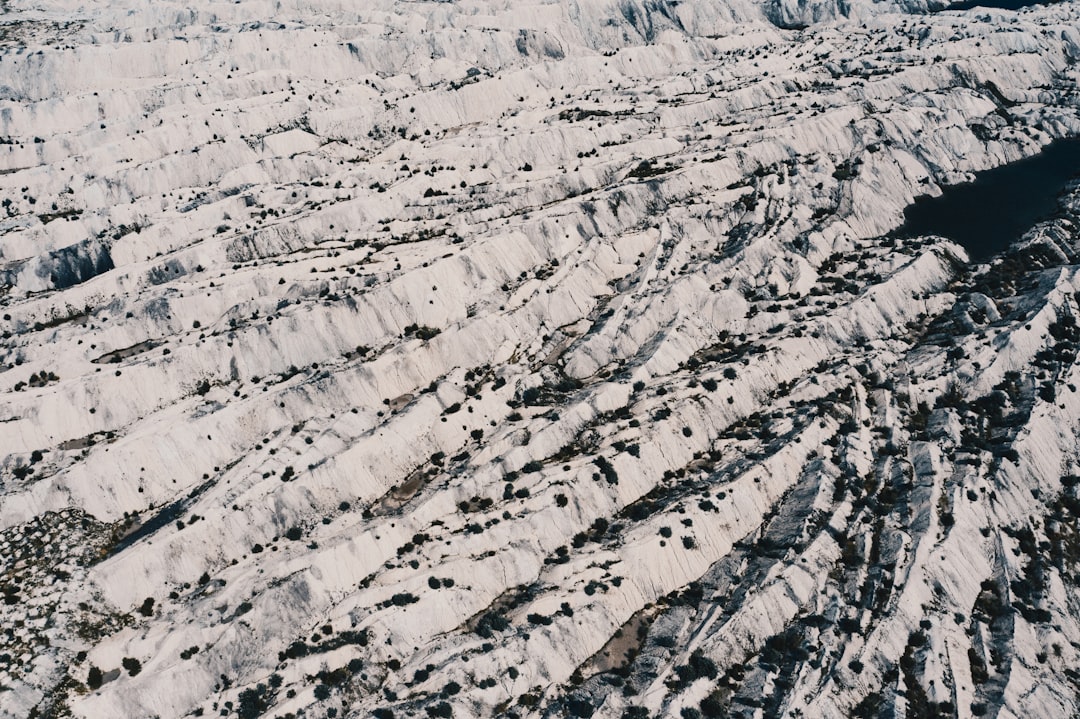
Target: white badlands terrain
x=555 y=358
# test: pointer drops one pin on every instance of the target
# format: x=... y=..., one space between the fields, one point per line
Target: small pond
x=993 y=211
x=1001 y=4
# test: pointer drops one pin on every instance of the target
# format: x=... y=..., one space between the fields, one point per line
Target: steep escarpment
x=486 y=359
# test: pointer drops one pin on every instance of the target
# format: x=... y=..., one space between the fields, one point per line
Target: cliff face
x=553 y=359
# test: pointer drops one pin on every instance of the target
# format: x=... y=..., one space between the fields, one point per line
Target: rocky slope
x=552 y=359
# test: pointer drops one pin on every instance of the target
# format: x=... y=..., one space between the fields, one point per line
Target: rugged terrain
x=531 y=359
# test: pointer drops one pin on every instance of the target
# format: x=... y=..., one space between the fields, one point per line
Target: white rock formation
x=540 y=359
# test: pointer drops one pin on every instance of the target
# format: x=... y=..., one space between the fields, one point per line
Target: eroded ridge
x=553 y=359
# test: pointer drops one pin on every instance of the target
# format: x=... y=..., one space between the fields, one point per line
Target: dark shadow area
x=993 y=211
x=1000 y=4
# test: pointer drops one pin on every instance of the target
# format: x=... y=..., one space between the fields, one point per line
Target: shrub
x=712 y=707
x=252 y=702
x=442 y=709
x=294 y=651
x=579 y=708
x=703 y=666
x=489 y=623
x=607 y=470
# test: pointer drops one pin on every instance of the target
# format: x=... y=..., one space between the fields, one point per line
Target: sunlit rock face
x=534 y=359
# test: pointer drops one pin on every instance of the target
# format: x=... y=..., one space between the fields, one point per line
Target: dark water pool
x=1002 y=4
x=993 y=211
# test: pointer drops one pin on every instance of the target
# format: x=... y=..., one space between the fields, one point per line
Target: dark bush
x=294 y=651
x=147 y=608
x=712 y=707
x=489 y=623
x=252 y=702
x=579 y=708
x=607 y=470
x=442 y=709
